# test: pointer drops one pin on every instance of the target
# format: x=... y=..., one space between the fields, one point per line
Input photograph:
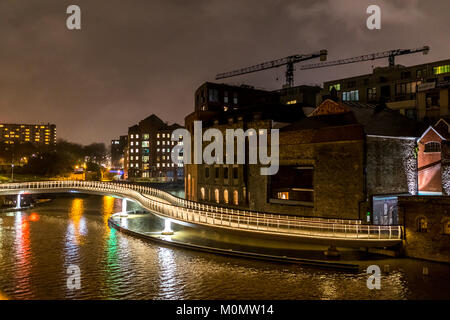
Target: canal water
x=37 y=247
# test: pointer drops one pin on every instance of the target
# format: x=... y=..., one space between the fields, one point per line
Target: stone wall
x=445 y=168
x=391 y=166
x=338 y=177
x=434 y=244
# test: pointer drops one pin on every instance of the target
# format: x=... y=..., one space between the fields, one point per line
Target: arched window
x=433 y=146
x=225 y=196
x=202 y=191
x=422 y=224
x=216 y=195
x=236 y=197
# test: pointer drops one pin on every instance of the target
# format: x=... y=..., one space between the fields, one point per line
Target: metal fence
x=169 y=206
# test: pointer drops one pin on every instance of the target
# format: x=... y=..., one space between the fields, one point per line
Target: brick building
x=434 y=158
x=148 y=151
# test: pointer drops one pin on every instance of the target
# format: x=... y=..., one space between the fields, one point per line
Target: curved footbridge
x=345 y=233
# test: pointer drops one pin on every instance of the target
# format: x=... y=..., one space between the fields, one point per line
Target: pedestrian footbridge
x=348 y=233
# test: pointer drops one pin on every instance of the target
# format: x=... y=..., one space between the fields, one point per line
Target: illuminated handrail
x=169 y=206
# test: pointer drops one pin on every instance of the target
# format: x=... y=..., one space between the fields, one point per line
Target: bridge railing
x=172 y=207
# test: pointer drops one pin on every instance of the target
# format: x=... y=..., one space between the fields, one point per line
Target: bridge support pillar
x=18 y=201
x=167 y=228
x=124 y=205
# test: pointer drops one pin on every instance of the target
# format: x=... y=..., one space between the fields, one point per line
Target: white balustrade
x=168 y=205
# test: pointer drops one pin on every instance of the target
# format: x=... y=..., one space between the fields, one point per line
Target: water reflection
x=22 y=252
x=37 y=247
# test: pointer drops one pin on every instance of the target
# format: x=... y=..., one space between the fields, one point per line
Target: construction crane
x=288 y=61
x=391 y=54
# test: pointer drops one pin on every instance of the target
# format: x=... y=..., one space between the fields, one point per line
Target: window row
x=422 y=225
x=225 y=171
x=205 y=195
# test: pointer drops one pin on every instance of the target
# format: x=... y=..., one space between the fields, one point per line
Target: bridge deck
x=345 y=232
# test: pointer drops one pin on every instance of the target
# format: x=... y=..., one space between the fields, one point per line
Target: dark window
x=213 y=95
x=225 y=173
x=206 y=172
x=433 y=146
x=351 y=84
x=235 y=173
x=217 y=173
x=411 y=113
x=405 y=75
x=293 y=183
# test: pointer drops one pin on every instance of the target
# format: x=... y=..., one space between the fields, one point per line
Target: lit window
x=422 y=224
x=447 y=227
x=202 y=191
x=336 y=86
x=216 y=195
x=441 y=69
x=291 y=102
x=225 y=196
x=235 y=197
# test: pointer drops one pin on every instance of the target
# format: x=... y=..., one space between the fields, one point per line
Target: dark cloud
x=135 y=58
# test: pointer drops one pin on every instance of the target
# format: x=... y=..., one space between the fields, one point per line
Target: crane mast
x=391 y=54
x=287 y=61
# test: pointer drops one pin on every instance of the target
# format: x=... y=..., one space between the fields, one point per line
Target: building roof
x=376 y=120
x=382 y=121
x=441 y=128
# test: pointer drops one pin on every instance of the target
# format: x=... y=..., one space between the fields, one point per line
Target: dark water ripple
x=37 y=247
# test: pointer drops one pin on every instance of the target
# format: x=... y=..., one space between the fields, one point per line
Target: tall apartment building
x=40 y=135
x=420 y=92
x=148 y=151
x=118 y=147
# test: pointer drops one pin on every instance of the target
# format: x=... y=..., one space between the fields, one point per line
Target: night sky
x=135 y=58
